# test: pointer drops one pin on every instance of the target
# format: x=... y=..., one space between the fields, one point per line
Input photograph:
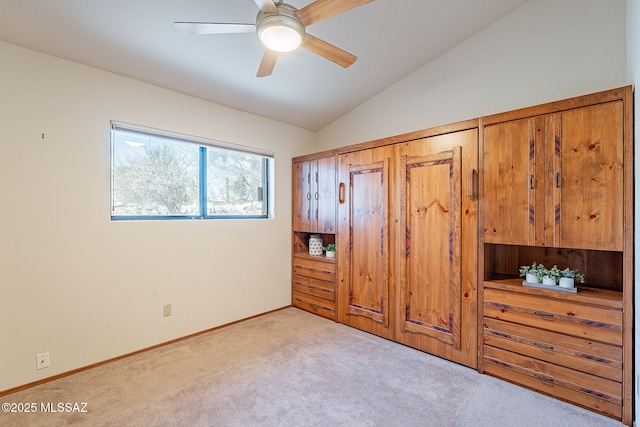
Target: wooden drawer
x=315 y=305
x=587 y=321
x=315 y=287
x=316 y=269
x=596 y=358
x=592 y=392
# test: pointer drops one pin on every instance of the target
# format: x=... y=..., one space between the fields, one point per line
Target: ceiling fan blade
x=268 y=62
x=267 y=6
x=213 y=28
x=328 y=51
x=323 y=9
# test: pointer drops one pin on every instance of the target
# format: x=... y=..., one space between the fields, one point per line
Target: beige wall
x=85 y=289
x=544 y=51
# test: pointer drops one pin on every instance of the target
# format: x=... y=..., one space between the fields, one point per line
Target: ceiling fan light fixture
x=280 y=38
x=282 y=32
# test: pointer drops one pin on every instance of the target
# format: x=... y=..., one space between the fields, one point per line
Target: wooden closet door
x=363 y=241
x=437 y=258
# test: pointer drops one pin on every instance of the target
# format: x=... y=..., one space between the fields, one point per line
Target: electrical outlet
x=42 y=360
x=166 y=310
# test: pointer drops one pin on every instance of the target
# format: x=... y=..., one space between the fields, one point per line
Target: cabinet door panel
x=325 y=195
x=302 y=196
x=368 y=291
x=509 y=154
x=432 y=219
x=363 y=236
x=437 y=235
x=591 y=187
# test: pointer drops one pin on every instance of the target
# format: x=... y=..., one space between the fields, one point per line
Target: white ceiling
x=137 y=39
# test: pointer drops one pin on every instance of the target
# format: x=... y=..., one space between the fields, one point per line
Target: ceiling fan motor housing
x=271 y=27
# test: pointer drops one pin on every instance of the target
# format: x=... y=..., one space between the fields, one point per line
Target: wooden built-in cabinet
x=314 y=206
x=556 y=189
x=564 y=345
x=314 y=197
x=407 y=239
x=431 y=228
x=314 y=284
x=556 y=179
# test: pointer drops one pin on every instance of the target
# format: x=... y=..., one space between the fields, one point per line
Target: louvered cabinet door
x=363 y=239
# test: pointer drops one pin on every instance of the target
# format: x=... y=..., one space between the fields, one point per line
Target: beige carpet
x=292 y=368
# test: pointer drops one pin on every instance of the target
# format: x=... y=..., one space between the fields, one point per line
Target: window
x=159 y=175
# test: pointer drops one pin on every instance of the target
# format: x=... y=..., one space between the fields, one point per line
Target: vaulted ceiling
x=137 y=39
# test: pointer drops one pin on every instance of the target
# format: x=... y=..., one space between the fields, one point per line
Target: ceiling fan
x=282 y=28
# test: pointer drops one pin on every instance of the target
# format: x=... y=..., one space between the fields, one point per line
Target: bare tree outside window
x=235 y=182
x=154 y=176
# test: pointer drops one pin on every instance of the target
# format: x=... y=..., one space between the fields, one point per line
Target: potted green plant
x=568 y=277
x=330 y=250
x=533 y=273
x=552 y=276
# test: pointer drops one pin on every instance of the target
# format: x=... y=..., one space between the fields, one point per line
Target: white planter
x=532 y=278
x=567 y=282
x=330 y=254
x=549 y=281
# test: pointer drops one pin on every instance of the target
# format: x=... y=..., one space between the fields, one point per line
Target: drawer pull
x=542 y=346
x=542 y=314
x=472 y=184
x=543 y=378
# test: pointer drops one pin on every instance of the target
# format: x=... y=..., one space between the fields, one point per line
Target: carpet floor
x=290 y=368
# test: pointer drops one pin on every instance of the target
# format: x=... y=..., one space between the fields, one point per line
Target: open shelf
x=301 y=241
x=602 y=269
